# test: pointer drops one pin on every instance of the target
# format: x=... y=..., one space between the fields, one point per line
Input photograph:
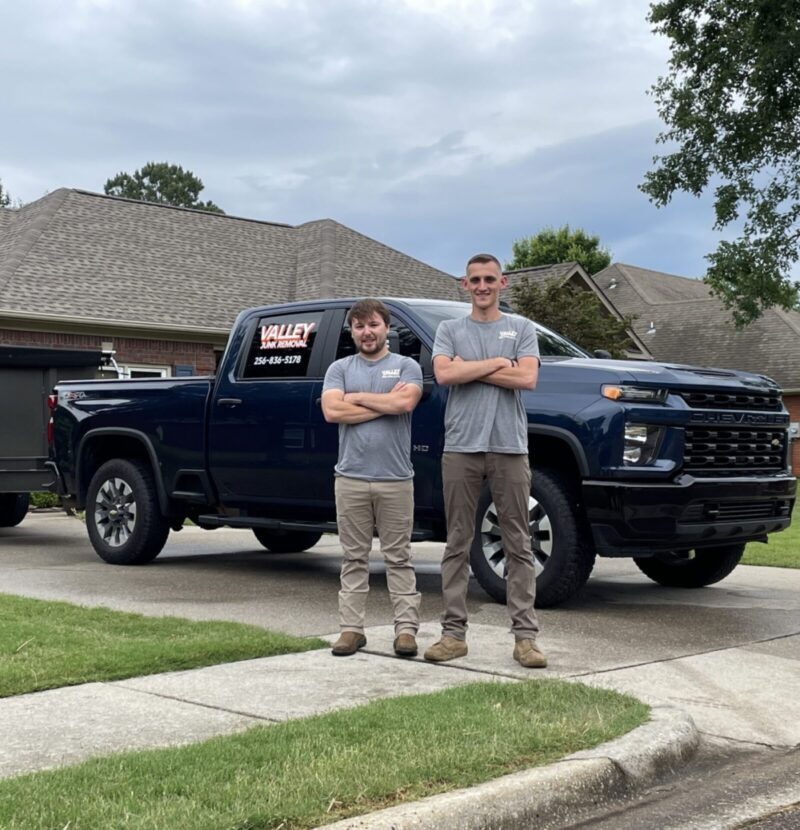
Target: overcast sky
x=440 y=127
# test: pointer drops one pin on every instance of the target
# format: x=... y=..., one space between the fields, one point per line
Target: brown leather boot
x=529 y=655
x=405 y=645
x=448 y=648
x=349 y=642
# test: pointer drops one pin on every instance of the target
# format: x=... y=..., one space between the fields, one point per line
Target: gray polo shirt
x=378 y=450
x=481 y=417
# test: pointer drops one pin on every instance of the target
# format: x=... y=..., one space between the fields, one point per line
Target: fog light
x=641 y=443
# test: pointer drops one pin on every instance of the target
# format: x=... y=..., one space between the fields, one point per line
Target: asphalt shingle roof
x=87 y=256
x=692 y=326
x=540 y=273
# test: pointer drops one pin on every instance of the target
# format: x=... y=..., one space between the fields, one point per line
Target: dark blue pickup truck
x=675 y=466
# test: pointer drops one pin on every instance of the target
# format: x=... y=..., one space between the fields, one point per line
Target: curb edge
x=548 y=795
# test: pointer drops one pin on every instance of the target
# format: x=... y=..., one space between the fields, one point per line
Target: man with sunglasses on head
x=371 y=395
x=487 y=358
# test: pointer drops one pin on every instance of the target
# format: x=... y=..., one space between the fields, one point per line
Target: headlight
x=641 y=394
x=641 y=444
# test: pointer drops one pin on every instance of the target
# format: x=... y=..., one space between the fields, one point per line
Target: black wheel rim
x=115 y=512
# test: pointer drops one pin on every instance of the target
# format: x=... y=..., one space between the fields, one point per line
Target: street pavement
x=728 y=655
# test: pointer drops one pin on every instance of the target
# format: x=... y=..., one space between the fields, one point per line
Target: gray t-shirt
x=481 y=417
x=378 y=450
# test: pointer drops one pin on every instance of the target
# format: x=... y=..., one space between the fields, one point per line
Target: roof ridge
x=638 y=289
x=30 y=236
x=653 y=271
x=388 y=247
x=177 y=207
x=783 y=315
x=571 y=262
x=631 y=330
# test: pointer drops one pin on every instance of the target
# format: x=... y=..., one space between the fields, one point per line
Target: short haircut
x=364 y=309
x=483 y=259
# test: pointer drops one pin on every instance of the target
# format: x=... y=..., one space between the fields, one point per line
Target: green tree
x=5 y=196
x=731 y=103
x=552 y=245
x=161 y=182
x=574 y=312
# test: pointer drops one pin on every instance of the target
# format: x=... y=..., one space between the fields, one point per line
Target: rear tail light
x=52 y=403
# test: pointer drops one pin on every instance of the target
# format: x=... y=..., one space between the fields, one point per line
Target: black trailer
x=27 y=376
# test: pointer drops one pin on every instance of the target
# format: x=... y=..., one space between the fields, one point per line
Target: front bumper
x=632 y=519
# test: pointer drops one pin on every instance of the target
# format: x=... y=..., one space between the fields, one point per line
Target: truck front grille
x=763 y=401
x=711 y=451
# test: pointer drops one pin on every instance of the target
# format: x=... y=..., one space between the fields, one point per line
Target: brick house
x=161 y=286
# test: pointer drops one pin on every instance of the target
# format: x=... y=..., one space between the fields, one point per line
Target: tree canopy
x=5 y=196
x=161 y=182
x=552 y=245
x=574 y=312
x=731 y=103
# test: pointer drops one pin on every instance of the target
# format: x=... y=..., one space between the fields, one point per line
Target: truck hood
x=672 y=375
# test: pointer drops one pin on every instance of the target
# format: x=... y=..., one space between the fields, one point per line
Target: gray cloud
x=437 y=127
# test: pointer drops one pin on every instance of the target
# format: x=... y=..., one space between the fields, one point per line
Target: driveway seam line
x=444 y=665
x=685 y=656
x=193 y=702
x=746 y=743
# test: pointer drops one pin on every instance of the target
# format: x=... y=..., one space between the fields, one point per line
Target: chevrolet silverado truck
x=675 y=466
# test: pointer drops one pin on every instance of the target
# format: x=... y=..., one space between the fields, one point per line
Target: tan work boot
x=448 y=648
x=349 y=642
x=528 y=654
x=405 y=645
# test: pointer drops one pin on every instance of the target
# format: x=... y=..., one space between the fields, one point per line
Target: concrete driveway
x=728 y=654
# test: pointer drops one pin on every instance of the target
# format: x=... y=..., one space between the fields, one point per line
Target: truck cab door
x=259 y=439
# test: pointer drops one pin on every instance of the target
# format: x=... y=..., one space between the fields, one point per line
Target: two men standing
x=487 y=358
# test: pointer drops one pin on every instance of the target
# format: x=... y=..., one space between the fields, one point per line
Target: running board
x=215 y=520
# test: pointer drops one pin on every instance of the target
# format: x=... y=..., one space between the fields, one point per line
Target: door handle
x=228 y=401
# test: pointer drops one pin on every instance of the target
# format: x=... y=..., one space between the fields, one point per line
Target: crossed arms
x=499 y=371
x=340 y=407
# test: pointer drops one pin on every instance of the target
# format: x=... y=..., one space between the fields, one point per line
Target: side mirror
x=602 y=354
x=394 y=341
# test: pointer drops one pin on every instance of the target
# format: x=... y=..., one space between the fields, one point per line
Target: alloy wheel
x=115 y=512
x=541 y=538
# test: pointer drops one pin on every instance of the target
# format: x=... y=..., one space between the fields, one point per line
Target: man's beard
x=372 y=347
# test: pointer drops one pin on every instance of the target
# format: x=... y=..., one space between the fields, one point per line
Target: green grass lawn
x=782 y=550
x=307 y=772
x=44 y=645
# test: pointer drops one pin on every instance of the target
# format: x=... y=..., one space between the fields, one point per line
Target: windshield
x=550 y=343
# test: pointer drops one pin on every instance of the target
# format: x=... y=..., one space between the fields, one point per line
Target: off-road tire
x=707 y=566
x=286 y=541
x=563 y=572
x=123 y=486
x=13 y=508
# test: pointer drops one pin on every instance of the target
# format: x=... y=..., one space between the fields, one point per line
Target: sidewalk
x=65 y=726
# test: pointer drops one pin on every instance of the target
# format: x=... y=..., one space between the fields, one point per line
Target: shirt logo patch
x=508 y=335
x=390 y=373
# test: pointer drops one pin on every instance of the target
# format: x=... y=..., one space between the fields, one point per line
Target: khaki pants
x=362 y=506
x=509 y=479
